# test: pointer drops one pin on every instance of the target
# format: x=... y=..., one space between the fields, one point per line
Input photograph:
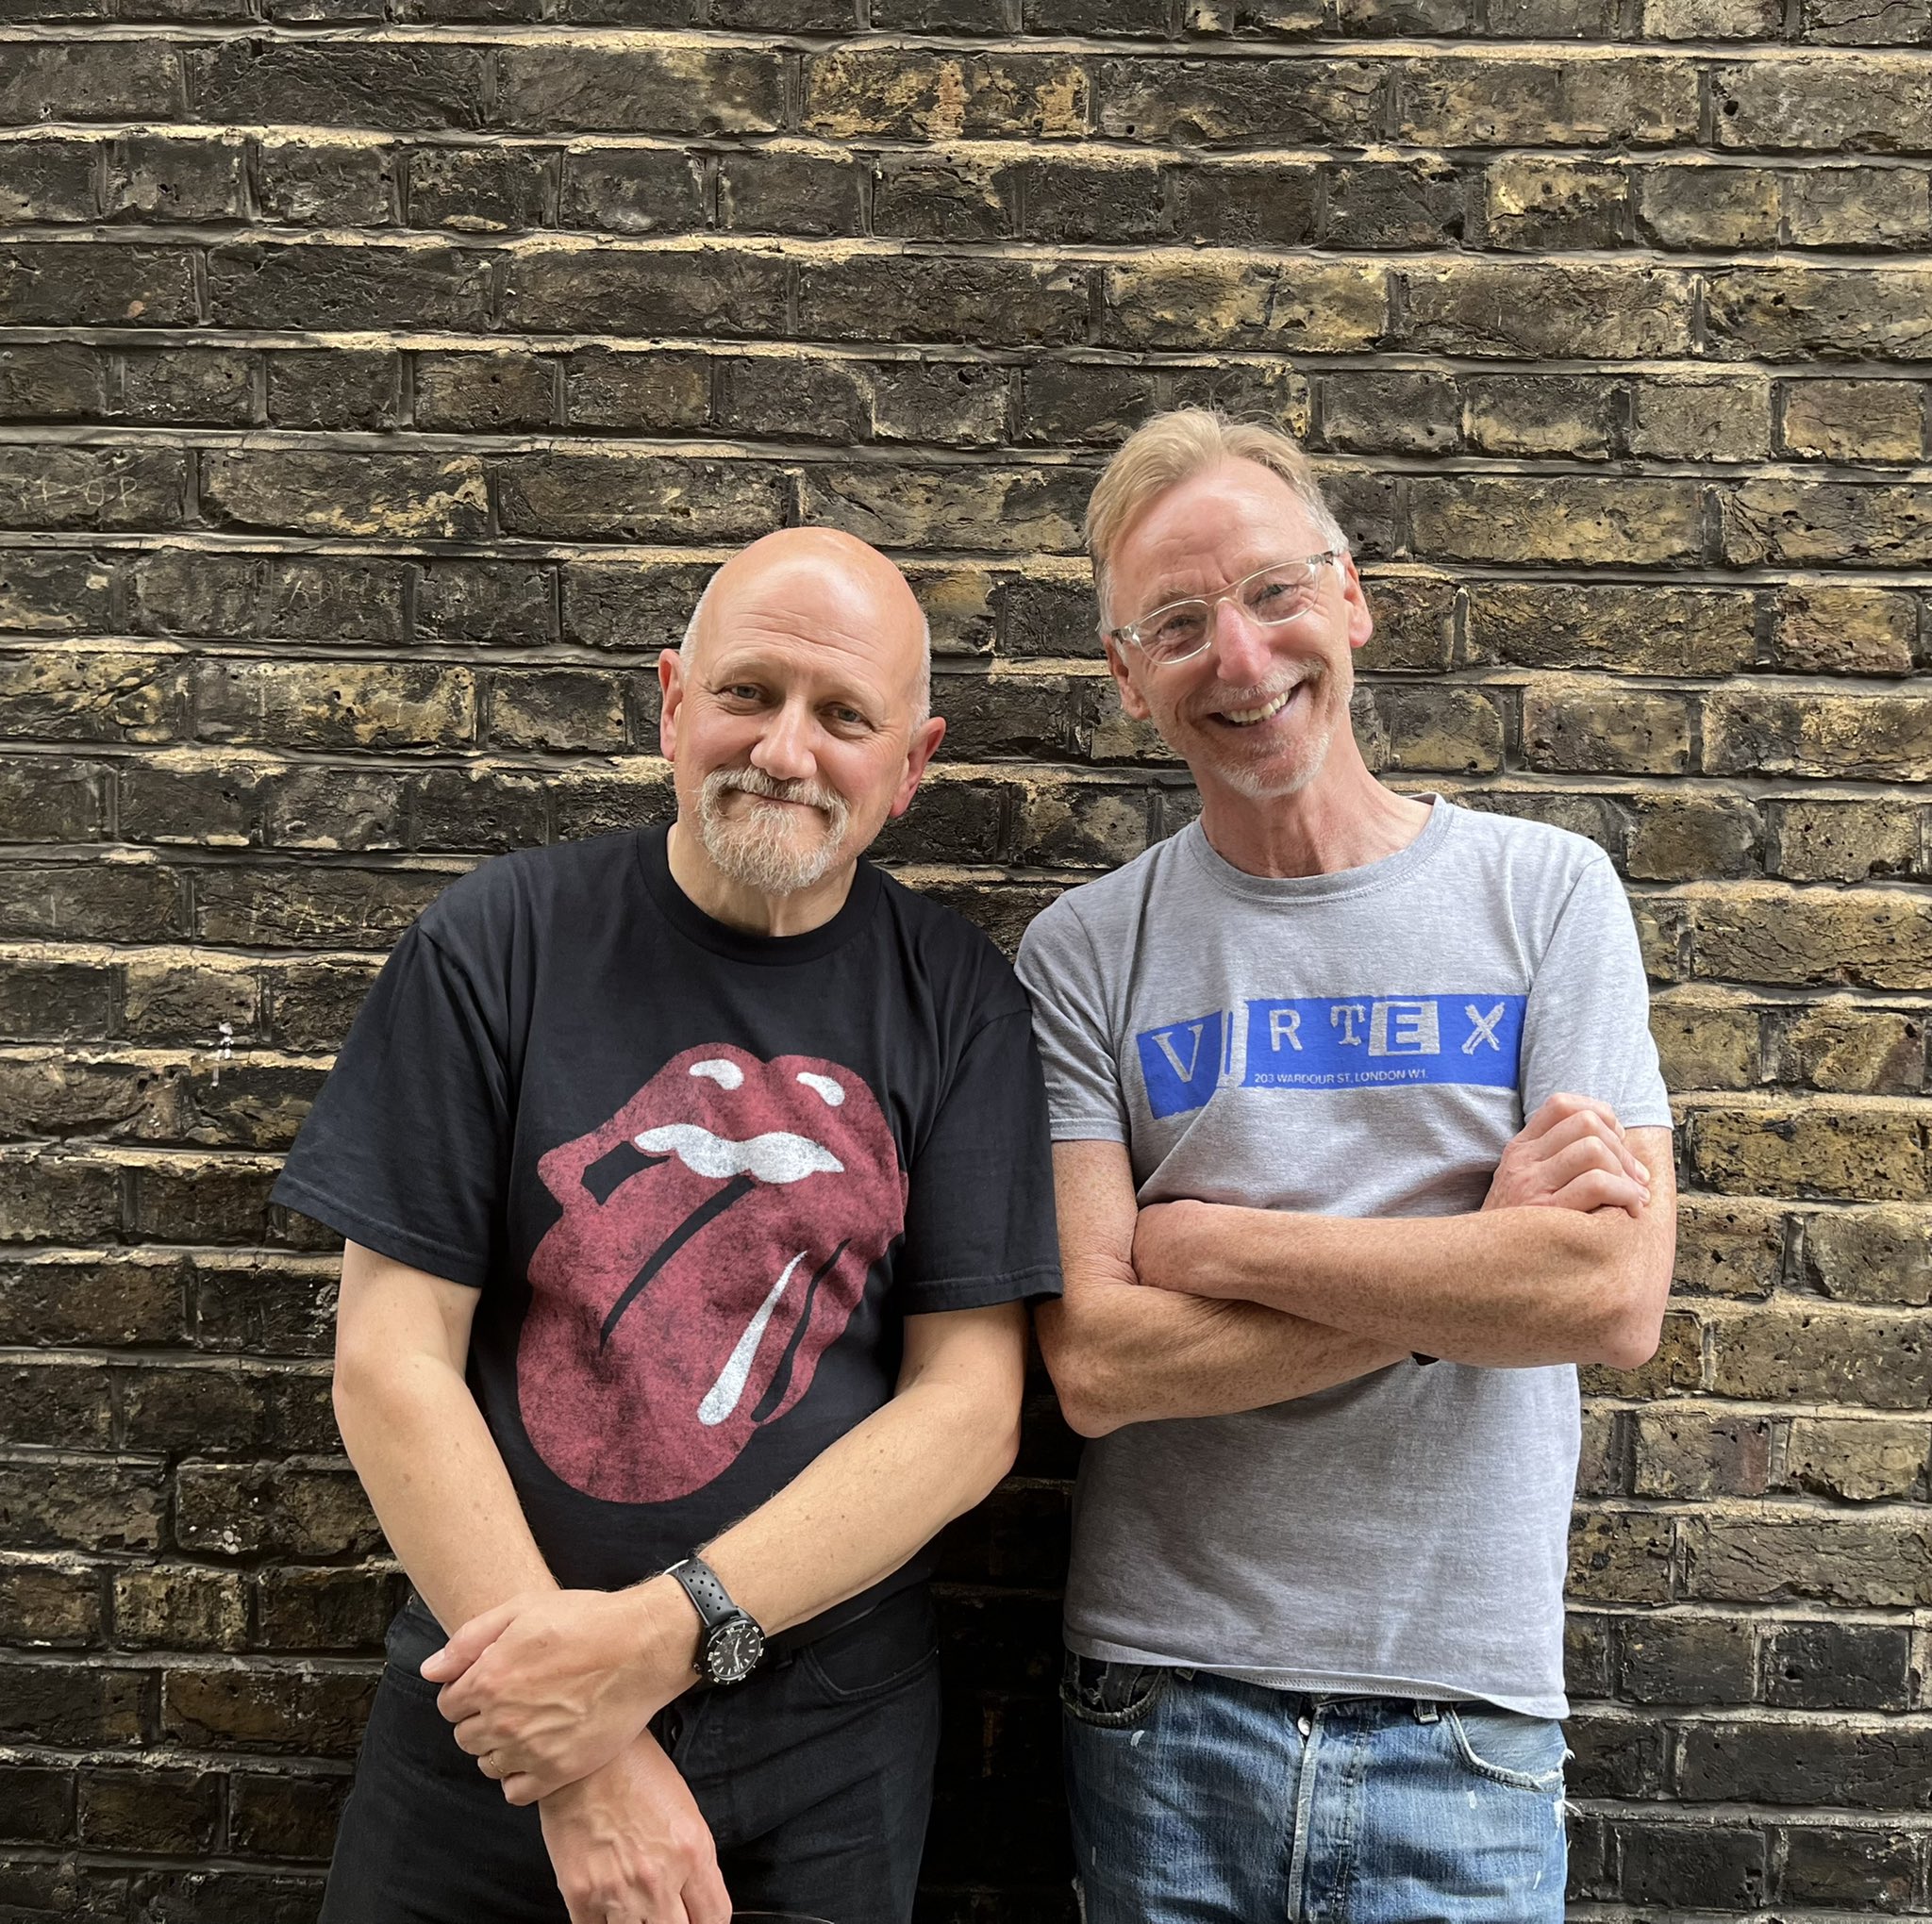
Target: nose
x=783 y=749
x=1241 y=649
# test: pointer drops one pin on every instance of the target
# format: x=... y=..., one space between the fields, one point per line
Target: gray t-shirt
x=1357 y=1044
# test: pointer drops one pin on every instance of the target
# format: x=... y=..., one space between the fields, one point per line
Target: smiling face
x=1261 y=712
x=792 y=718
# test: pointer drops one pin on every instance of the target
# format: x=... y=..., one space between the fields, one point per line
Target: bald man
x=694 y=1181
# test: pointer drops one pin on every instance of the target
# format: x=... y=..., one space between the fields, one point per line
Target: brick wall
x=379 y=388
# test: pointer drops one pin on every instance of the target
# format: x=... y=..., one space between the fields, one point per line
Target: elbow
x=1632 y=1326
x=1086 y=1406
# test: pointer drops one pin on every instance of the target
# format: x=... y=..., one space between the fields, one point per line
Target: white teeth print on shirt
x=777 y=1156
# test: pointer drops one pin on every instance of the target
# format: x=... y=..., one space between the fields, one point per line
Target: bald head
x=821 y=579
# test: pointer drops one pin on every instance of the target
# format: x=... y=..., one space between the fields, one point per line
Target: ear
x=1132 y=699
x=1361 y=622
x=918 y=751
x=671 y=683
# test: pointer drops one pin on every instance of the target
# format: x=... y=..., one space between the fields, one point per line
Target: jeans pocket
x=1108 y=1696
x=1525 y=1752
x=877 y=1653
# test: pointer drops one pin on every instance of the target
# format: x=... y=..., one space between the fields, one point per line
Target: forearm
x=437 y=1484
x=1506 y=1288
x=867 y=1504
x=1122 y=1354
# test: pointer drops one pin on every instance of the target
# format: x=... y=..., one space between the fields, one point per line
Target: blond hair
x=1175 y=447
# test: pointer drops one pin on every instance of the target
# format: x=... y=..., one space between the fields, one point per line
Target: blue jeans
x=1198 y=1800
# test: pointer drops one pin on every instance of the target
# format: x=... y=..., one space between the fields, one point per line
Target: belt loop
x=1426 y=1713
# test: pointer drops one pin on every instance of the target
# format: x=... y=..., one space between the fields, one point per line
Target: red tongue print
x=716 y=1236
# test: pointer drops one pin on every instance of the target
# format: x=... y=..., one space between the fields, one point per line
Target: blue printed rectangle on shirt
x=1348 y=1042
x=1180 y=1062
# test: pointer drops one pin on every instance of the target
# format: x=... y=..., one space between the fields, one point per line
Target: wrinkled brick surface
x=380 y=380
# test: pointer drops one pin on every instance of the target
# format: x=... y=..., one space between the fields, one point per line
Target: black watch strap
x=710 y=1598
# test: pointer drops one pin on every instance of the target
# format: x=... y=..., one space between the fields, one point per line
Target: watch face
x=732 y=1650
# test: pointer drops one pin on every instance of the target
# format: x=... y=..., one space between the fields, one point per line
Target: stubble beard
x=760 y=847
x=1265 y=779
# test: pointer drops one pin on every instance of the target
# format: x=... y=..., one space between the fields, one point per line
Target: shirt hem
x=1317 y=1683
x=982 y=1292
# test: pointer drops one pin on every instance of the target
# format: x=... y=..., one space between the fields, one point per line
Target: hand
x=548 y=1687
x=628 y=1846
x=1161 y=1255
x=1571 y=1154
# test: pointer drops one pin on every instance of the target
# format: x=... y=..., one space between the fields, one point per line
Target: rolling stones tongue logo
x=716 y=1236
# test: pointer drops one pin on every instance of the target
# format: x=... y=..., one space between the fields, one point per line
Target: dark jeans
x=815 y=1778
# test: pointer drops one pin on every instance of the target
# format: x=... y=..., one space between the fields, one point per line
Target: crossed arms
x=557 y=1686
x=1569 y=1260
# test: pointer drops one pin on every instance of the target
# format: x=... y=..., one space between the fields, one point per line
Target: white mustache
x=777 y=1156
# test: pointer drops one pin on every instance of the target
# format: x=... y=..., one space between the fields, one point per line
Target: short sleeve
x=1058 y=970
x=1587 y=1027
x=979 y=1216
x=407 y=1147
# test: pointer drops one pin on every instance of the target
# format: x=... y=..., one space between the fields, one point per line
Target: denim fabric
x=1200 y=1799
x=815 y=1777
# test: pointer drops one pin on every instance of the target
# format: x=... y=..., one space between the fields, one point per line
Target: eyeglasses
x=1271 y=596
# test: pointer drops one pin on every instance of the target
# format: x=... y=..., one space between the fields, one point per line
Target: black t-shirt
x=698 y=1176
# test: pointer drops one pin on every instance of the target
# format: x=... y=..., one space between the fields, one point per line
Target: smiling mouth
x=1248 y=718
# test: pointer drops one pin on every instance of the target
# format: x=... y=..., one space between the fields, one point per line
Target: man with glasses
x=1361 y=1145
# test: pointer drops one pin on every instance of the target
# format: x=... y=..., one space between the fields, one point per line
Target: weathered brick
x=1539 y=415
x=476 y=392
x=1829 y=630
x=633 y=190
x=168 y=1606
x=326 y=1609
x=1694 y=417
x=82 y=694
x=1418 y=203
x=1577 y=725
x=1620 y=1557
x=151 y=1811
x=402 y=88
x=1872 y=939
x=57 y=593
x=999 y=508
x=81 y=1504
x=1556 y=517
x=49 y=1604
x=1818 y=1354
x=1822 y=1665
x=90 y=488
x=1679 y=838
x=1866 y=1561
x=344 y=705
x=166 y=177
x=642 y=87
x=1873 y=105
x=287 y=1508
x=53 y=1701
x=1706 y=207
x=1871 y=1256
x=1865 y=1870
x=1857 y=206
x=1864 y=1151
x=1806 y=1763
x=1471 y=99
x=329 y=284
x=88 y=80
x=1796 y=313
x=1237 y=300
x=1239 y=102
x=628 y=494
x=285 y=1814
x=95 y=284
x=316 y=179
x=1880 y=737
x=393 y=495
x=480 y=189
x=1530 y=203
x=1660 y=630
x=1536 y=308
x=1847 y=1049
x=1706 y=1047
x=1699 y=1865
x=333 y=388
x=1866 y=421
x=194 y=386
x=315 y=1711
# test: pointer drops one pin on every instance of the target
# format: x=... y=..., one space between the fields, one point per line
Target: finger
x=473 y=1736
x=1556 y=1109
x=1591 y=1152
x=527 y=1786
x=446 y=1664
x=1591 y=1123
x=1600 y=1189
x=706 y=1900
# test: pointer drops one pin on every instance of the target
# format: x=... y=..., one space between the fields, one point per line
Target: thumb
x=468 y=1644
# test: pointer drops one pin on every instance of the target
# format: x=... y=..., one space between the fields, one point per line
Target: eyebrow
x=723 y=672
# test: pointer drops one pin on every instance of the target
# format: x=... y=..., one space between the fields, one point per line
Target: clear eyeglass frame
x=1132 y=632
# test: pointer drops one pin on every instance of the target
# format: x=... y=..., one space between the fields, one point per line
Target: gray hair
x=1173 y=447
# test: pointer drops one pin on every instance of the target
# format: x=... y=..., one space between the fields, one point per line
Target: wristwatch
x=729 y=1649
